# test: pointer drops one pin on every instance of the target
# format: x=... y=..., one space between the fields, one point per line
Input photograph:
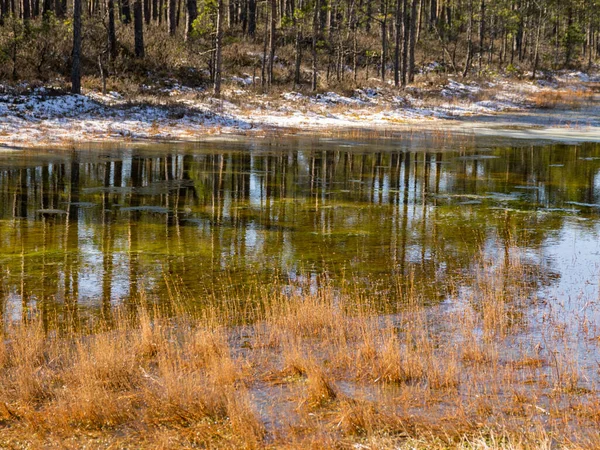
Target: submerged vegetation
x=301 y=294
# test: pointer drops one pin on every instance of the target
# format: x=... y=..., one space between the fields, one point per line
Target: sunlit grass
x=315 y=368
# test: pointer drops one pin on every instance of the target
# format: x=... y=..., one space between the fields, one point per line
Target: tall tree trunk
x=590 y=45
x=383 y=12
x=191 y=16
x=469 y=41
x=26 y=10
x=536 y=57
x=147 y=11
x=406 y=38
x=481 y=34
x=126 y=11
x=76 y=56
x=433 y=14
x=355 y=52
x=112 y=36
x=420 y=20
x=244 y=15
x=138 y=26
x=413 y=41
x=273 y=18
x=251 y=18
x=398 y=41
x=315 y=74
x=298 y=48
x=172 y=16
x=47 y=6
x=218 y=45
x=265 y=60
x=569 y=39
x=520 y=30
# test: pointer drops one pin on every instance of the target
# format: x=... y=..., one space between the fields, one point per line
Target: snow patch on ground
x=245 y=80
x=332 y=98
x=456 y=89
x=40 y=106
x=169 y=110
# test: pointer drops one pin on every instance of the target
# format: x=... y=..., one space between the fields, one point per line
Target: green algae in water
x=79 y=228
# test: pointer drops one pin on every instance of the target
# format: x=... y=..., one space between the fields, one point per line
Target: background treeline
x=311 y=43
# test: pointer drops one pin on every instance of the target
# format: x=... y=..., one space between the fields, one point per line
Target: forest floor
x=559 y=107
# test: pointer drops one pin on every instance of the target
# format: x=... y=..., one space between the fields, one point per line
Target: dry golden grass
x=322 y=369
x=561 y=98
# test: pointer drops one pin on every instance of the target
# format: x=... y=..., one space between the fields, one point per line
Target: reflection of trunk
x=217 y=205
x=425 y=192
x=136 y=182
x=59 y=176
x=72 y=250
x=24 y=231
x=74 y=197
x=48 y=275
x=506 y=238
x=187 y=168
x=107 y=246
x=45 y=187
x=22 y=195
x=438 y=170
x=404 y=225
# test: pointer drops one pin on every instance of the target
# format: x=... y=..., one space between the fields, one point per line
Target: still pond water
x=92 y=228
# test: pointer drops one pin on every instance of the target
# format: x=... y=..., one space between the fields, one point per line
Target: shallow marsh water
x=88 y=229
x=499 y=242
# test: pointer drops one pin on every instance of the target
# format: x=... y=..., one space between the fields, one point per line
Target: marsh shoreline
x=520 y=111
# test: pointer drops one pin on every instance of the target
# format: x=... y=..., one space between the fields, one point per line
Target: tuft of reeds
x=316 y=368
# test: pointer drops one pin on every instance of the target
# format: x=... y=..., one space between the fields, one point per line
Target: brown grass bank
x=494 y=368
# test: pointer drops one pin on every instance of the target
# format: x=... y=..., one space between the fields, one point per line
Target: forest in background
x=311 y=44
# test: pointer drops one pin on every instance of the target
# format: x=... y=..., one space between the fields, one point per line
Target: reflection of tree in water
x=215 y=220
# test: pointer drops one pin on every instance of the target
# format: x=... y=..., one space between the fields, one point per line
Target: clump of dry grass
x=349 y=375
x=561 y=98
x=321 y=389
x=364 y=418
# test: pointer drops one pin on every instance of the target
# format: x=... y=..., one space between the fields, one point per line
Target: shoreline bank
x=45 y=117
